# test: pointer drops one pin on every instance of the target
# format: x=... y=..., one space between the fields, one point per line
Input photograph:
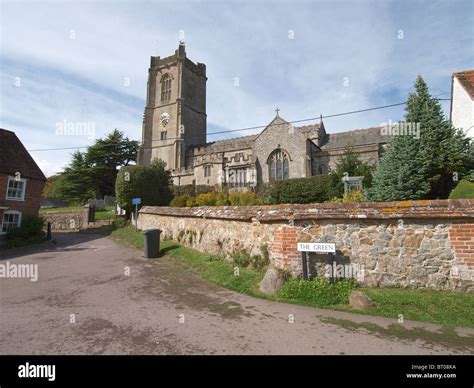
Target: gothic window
x=166 y=87
x=207 y=171
x=272 y=170
x=279 y=165
x=163 y=135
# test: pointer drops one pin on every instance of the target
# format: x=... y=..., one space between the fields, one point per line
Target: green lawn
x=61 y=209
x=446 y=308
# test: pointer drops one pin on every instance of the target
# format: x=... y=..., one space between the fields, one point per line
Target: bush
x=464 y=189
x=30 y=231
x=318 y=292
x=150 y=183
x=241 y=258
x=315 y=189
x=352 y=197
x=180 y=201
x=208 y=199
x=244 y=199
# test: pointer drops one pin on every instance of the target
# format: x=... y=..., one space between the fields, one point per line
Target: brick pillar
x=282 y=250
x=461 y=236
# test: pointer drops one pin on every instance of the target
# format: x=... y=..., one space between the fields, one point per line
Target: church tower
x=175 y=111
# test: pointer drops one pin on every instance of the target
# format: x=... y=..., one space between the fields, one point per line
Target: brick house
x=21 y=182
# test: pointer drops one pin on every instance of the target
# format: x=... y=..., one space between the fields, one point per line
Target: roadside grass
x=443 y=307
x=439 y=307
x=447 y=336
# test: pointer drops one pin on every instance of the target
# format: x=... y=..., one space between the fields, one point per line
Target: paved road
x=158 y=309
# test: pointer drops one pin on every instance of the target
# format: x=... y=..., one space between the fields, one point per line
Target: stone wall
x=67 y=221
x=393 y=244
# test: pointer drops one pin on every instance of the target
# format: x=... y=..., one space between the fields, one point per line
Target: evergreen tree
x=423 y=166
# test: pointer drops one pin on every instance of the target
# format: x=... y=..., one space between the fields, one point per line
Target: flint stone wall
x=67 y=221
x=419 y=244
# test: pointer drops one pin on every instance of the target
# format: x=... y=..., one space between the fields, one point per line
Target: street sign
x=136 y=201
x=317 y=247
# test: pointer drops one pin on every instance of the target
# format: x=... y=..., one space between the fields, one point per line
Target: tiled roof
x=15 y=158
x=357 y=137
x=466 y=79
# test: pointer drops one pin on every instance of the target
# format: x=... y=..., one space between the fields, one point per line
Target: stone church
x=174 y=130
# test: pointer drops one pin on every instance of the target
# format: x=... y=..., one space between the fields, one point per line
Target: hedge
x=464 y=189
x=315 y=189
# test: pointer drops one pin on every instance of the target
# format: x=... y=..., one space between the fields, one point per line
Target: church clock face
x=164 y=119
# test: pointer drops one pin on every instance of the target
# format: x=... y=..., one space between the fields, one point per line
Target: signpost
x=328 y=248
x=136 y=202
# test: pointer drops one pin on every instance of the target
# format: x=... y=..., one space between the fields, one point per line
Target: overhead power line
x=259 y=126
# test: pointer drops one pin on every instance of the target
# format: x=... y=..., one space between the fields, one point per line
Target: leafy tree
x=350 y=163
x=150 y=183
x=415 y=168
x=106 y=156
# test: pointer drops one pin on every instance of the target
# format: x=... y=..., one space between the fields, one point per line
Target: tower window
x=163 y=135
x=279 y=165
x=207 y=171
x=166 y=87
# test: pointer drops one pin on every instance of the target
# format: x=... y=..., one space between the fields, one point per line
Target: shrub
x=30 y=231
x=464 y=189
x=352 y=197
x=150 y=183
x=222 y=199
x=180 y=201
x=244 y=199
x=318 y=292
x=208 y=199
x=315 y=189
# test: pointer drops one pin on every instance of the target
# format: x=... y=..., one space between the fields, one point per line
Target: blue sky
x=70 y=61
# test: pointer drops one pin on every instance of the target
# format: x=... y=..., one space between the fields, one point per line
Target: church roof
x=228 y=144
x=357 y=137
x=309 y=128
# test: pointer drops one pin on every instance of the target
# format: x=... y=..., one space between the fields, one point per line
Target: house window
x=11 y=219
x=16 y=189
x=163 y=135
x=166 y=88
x=207 y=171
x=279 y=165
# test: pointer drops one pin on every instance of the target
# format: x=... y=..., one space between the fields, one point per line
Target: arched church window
x=279 y=165
x=279 y=169
x=166 y=87
x=286 y=169
x=272 y=170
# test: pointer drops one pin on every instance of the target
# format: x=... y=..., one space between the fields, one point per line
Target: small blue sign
x=136 y=201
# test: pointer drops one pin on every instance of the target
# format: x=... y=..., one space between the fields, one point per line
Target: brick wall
x=461 y=235
x=395 y=244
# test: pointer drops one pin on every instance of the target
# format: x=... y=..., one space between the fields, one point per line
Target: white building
x=462 y=101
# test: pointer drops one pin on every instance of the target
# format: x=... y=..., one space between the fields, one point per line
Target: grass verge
x=447 y=336
x=440 y=307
